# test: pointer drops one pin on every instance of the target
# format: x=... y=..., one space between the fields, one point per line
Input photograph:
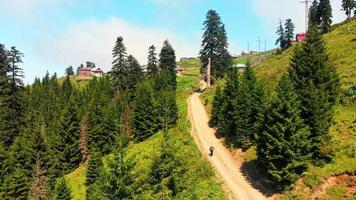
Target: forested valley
x=52 y=126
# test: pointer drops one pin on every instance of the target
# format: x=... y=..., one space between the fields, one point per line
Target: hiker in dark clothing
x=211 y=150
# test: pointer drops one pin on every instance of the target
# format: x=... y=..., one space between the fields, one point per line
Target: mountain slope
x=335 y=180
x=325 y=182
x=341 y=45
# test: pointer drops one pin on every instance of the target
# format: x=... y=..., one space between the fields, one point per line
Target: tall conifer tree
x=325 y=14
x=152 y=64
x=167 y=62
x=145 y=111
x=11 y=119
x=67 y=145
x=281 y=37
x=317 y=84
x=289 y=32
x=214 y=46
x=217 y=115
x=249 y=107
x=119 y=65
x=314 y=17
x=228 y=128
x=283 y=147
x=134 y=74
x=5 y=133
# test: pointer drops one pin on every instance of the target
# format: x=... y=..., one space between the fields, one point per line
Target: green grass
x=76 y=81
x=341 y=45
x=76 y=182
x=189 y=63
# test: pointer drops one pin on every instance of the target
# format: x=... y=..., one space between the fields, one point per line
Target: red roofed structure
x=85 y=71
x=300 y=37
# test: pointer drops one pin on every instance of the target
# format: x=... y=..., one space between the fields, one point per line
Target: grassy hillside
x=335 y=180
x=341 y=44
x=201 y=179
x=79 y=82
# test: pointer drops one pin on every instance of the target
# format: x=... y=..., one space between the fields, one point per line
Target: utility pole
x=265 y=45
x=306 y=2
x=208 y=75
x=259 y=44
x=248 y=47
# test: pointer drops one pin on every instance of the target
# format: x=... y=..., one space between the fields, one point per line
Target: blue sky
x=54 y=34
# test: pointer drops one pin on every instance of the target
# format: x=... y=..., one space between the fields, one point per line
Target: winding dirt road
x=229 y=169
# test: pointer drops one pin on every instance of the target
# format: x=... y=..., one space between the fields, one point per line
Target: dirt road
x=222 y=160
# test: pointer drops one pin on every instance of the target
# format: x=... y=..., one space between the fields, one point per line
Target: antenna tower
x=306 y=2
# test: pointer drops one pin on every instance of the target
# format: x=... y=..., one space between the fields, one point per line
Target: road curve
x=222 y=160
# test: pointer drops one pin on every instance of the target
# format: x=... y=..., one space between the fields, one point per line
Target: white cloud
x=94 y=41
x=270 y=11
x=23 y=9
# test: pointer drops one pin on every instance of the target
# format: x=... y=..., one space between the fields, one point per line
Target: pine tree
x=62 y=191
x=248 y=108
x=69 y=71
x=144 y=111
x=228 y=128
x=314 y=17
x=4 y=167
x=119 y=65
x=15 y=185
x=89 y=64
x=11 y=86
x=214 y=46
x=103 y=127
x=218 y=103
x=5 y=133
x=325 y=13
x=134 y=74
x=289 y=32
x=67 y=145
x=167 y=110
x=67 y=88
x=284 y=147
x=116 y=181
x=152 y=64
x=163 y=170
x=167 y=62
x=317 y=84
x=94 y=166
x=281 y=37
x=348 y=6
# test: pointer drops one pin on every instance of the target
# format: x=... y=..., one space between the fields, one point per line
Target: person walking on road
x=211 y=151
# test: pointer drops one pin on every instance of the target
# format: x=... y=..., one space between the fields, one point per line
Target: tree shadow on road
x=257 y=177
